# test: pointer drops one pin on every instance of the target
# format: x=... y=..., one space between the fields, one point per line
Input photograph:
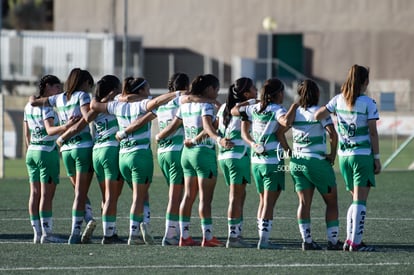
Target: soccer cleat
x=214 y=242
x=267 y=245
x=361 y=248
x=170 y=241
x=146 y=234
x=188 y=242
x=114 y=239
x=51 y=239
x=74 y=239
x=237 y=242
x=346 y=245
x=338 y=246
x=311 y=246
x=135 y=240
x=87 y=233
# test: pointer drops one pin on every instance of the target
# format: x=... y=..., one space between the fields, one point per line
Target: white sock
x=133 y=228
x=305 y=232
x=207 y=231
x=266 y=228
x=37 y=229
x=349 y=222
x=359 y=223
x=184 y=229
x=47 y=225
x=259 y=225
x=88 y=212
x=108 y=228
x=332 y=234
x=240 y=229
x=171 y=228
x=147 y=212
x=76 y=225
x=234 y=230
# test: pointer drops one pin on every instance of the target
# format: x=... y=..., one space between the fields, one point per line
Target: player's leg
x=274 y=183
x=35 y=192
x=189 y=196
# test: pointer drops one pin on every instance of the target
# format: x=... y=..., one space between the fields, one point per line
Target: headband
x=138 y=86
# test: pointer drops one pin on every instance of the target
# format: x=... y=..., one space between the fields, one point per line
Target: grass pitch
x=389 y=226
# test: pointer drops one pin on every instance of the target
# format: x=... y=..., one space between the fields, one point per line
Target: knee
x=188 y=198
x=111 y=199
x=35 y=194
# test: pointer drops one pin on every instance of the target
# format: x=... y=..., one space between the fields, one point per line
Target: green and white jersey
x=263 y=131
x=233 y=132
x=191 y=115
x=67 y=109
x=309 y=137
x=106 y=127
x=352 y=125
x=126 y=113
x=39 y=139
x=165 y=115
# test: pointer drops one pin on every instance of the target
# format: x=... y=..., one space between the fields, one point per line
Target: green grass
x=389 y=226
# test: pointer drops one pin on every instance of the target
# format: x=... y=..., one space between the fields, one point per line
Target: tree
x=26 y=15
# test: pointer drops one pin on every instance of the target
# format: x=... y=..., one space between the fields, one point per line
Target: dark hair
x=76 y=79
x=47 y=79
x=271 y=88
x=308 y=92
x=105 y=85
x=202 y=82
x=236 y=95
x=132 y=85
x=178 y=82
x=352 y=87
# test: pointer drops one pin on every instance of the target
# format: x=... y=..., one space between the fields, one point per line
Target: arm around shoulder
x=160 y=100
x=100 y=107
x=135 y=125
x=171 y=128
x=41 y=101
x=322 y=113
x=287 y=119
x=240 y=108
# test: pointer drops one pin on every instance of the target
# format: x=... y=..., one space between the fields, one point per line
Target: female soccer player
x=358 y=150
x=105 y=157
x=77 y=151
x=169 y=151
x=199 y=161
x=135 y=159
x=42 y=159
x=259 y=126
x=169 y=159
x=235 y=161
x=311 y=167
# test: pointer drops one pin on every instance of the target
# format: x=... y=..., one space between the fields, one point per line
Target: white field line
x=294 y=265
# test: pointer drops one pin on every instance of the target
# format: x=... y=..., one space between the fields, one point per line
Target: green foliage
x=26 y=15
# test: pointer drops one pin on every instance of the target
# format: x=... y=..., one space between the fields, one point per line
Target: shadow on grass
x=380 y=247
x=23 y=237
x=287 y=244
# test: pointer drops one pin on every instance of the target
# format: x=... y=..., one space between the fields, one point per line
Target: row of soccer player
x=248 y=133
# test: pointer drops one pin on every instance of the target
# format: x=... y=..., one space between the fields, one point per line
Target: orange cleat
x=214 y=242
x=188 y=242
